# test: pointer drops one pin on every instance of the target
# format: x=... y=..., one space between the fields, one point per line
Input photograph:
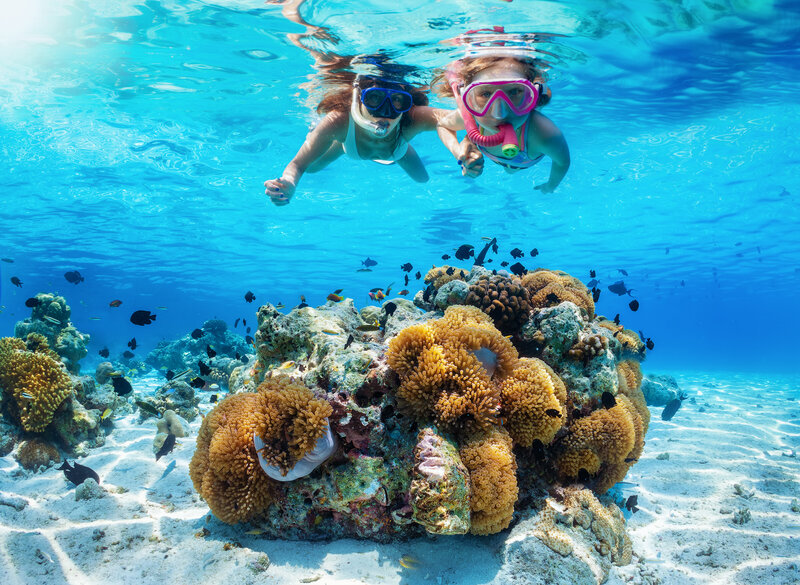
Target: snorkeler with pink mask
x=375 y=120
x=498 y=99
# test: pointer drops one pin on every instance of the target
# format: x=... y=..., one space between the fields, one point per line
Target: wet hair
x=339 y=100
x=467 y=69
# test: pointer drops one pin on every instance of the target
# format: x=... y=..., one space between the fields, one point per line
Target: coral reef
x=35 y=453
x=441 y=275
x=169 y=424
x=503 y=298
x=175 y=395
x=548 y=288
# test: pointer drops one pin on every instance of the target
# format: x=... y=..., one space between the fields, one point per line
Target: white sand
x=147 y=533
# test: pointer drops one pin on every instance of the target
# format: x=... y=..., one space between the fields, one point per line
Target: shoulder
x=334 y=123
x=542 y=130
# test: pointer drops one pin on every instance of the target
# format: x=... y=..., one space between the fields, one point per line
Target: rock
x=13 y=501
x=35 y=453
x=174 y=424
x=77 y=429
x=451 y=293
x=89 y=490
x=659 y=389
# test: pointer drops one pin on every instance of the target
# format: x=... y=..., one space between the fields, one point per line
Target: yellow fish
x=409 y=562
x=255 y=531
x=286 y=365
x=280 y=306
x=330 y=332
x=106 y=413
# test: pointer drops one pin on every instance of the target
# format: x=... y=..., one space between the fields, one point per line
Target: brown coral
x=36 y=381
x=493 y=480
x=503 y=298
x=533 y=400
x=630 y=384
x=632 y=345
x=548 y=288
x=440 y=275
x=36 y=452
x=588 y=347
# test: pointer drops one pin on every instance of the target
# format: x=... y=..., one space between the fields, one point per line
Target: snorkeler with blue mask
x=374 y=120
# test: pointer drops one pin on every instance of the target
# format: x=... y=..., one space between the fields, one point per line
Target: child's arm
x=546 y=137
x=317 y=143
x=446 y=122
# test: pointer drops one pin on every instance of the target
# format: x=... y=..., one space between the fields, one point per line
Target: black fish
x=671 y=408
x=32 y=302
x=553 y=412
x=390 y=308
x=534 y=252
x=197 y=334
x=518 y=269
x=166 y=447
x=641 y=335
x=650 y=344
x=121 y=386
x=619 y=288
x=210 y=352
x=576 y=414
x=213 y=398
x=592 y=274
x=244 y=322
x=592 y=283
x=426 y=294
x=197 y=382
x=616 y=319
x=552 y=298
x=78 y=473
x=244 y=359
x=302 y=305
x=204 y=369
x=450 y=271
x=16 y=281
x=630 y=504
x=504 y=264
x=405 y=279
x=369 y=262
x=445 y=256
x=169 y=375
x=465 y=251
x=249 y=339
x=103 y=352
x=142 y=318
x=248 y=330
x=236 y=323
x=73 y=276
x=583 y=475
x=349 y=341
x=237 y=356
x=132 y=343
x=418 y=275
x=595 y=294
x=608 y=400
x=249 y=297
x=517 y=253
x=482 y=256
x=127 y=354
x=634 y=305
x=622 y=271
x=494 y=248
x=406 y=267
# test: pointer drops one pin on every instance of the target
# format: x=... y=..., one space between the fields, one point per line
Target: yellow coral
x=532 y=404
x=36 y=381
x=551 y=287
x=630 y=384
x=493 y=481
x=405 y=349
x=439 y=275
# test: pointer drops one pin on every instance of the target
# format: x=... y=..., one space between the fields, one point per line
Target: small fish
x=494 y=247
x=608 y=400
x=121 y=385
x=52 y=320
x=286 y=365
x=213 y=398
x=409 y=562
x=534 y=252
x=166 y=447
x=334 y=297
x=244 y=359
x=161 y=308
x=330 y=332
x=104 y=352
x=407 y=267
x=250 y=340
x=94 y=318
x=255 y=531
x=280 y=306
x=197 y=334
x=622 y=271
x=27 y=395
x=147 y=407
x=9 y=260
x=32 y=302
x=236 y=323
x=616 y=319
x=671 y=408
x=182 y=374
x=197 y=382
x=106 y=413
x=369 y=262
x=666 y=250
x=127 y=354
x=592 y=274
x=403 y=292
x=576 y=414
x=78 y=473
x=364 y=270
x=249 y=297
x=631 y=502
x=349 y=341
x=517 y=253
x=650 y=344
x=450 y=271
x=504 y=264
x=132 y=343
x=115 y=303
x=142 y=318
x=518 y=269
x=634 y=305
x=244 y=322
x=683 y=283
x=16 y=281
x=169 y=391
x=465 y=251
x=445 y=256
x=390 y=308
x=169 y=375
x=553 y=413
x=583 y=475
x=592 y=283
x=418 y=275
x=619 y=288
x=426 y=294
x=595 y=294
x=74 y=277
x=210 y=352
x=204 y=369
x=552 y=298
x=368 y=328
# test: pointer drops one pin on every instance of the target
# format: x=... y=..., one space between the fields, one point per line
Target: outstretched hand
x=470 y=159
x=280 y=191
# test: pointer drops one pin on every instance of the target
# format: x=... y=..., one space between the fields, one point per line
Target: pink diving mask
x=520 y=95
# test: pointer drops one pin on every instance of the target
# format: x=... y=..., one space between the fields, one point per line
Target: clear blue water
x=135 y=138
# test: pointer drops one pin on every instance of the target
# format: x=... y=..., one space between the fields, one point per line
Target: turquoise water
x=135 y=138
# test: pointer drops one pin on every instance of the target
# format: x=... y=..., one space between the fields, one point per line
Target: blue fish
x=369 y=262
x=619 y=288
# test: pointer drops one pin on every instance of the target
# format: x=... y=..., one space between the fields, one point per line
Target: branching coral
x=504 y=299
x=440 y=275
x=493 y=481
x=533 y=402
x=588 y=347
x=548 y=288
x=36 y=381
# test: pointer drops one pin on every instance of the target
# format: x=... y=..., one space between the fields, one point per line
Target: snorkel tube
x=506 y=134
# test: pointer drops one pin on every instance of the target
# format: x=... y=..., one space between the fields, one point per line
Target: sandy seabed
x=151 y=527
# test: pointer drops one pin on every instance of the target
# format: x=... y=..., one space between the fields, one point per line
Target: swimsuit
x=520 y=161
x=351 y=148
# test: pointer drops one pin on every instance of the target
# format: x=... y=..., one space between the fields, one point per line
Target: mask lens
x=373 y=97
x=401 y=101
x=519 y=95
